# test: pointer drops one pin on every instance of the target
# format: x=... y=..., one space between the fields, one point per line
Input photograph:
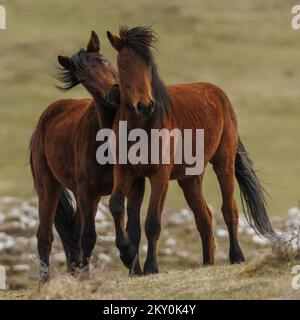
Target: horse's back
x=202 y=105
x=53 y=143
x=63 y=110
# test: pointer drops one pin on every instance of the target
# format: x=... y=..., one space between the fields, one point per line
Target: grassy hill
x=246 y=47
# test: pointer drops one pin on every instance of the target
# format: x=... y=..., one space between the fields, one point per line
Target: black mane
x=67 y=77
x=142 y=40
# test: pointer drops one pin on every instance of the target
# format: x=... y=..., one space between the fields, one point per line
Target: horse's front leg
x=133 y=227
x=122 y=185
x=159 y=187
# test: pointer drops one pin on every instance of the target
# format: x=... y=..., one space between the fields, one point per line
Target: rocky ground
x=179 y=245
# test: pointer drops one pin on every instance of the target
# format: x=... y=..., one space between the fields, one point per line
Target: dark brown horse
x=63 y=155
x=147 y=103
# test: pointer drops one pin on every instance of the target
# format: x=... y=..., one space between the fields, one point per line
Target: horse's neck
x=105 y=116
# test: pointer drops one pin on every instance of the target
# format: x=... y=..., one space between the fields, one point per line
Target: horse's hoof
x=150 y=269
x=209 y=263
x=44 y=274
x=43 y=281
x=73 y=268
x=148 y=272
x=236 y=257
x=135 y=269
x=127 y=255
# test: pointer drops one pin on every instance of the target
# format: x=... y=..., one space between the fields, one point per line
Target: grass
x=252 y=280
x=247 y=48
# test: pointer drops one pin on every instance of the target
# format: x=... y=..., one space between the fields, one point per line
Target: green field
x=248 y=48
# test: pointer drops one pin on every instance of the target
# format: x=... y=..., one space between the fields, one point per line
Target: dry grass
x=265 y=278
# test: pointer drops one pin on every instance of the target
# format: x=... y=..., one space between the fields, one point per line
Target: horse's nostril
x=152 y=104
x=139 y=106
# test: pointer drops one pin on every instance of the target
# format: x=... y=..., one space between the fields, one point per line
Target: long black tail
x=252 y=194
x=65 y=220
x=65 y=215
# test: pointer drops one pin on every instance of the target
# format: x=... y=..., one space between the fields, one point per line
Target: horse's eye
x=122 y=66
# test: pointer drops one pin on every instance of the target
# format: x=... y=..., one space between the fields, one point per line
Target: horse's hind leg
x=192 y=189
x=48 y=193
x=74 y=252
x=87 y=202
x=224 y=167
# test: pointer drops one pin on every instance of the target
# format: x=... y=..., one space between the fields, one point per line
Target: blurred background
x=248 y=48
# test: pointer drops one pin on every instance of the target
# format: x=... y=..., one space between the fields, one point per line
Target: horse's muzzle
x=145 y=110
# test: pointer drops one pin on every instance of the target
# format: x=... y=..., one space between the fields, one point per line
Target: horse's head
x=136 y=68
x=89 y=68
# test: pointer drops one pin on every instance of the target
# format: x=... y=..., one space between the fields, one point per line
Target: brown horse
x=63 y=155
x=147 y=103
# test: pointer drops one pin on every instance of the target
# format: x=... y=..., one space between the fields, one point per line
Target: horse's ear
x=65 y=62
x=115 y=41
x=94 y=43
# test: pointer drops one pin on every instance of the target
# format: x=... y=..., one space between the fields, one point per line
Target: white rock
x=187 y=214
x=3 y=236
x=7 y=200
x=104 y=257
x=182 y=254
x=9 y=244
x=6 y=242
x=221 y=233
x=15 y=214
x=32 y=241
x=170 y=242
x=28 y=221
x=21 y=267
x=59 y=257
x=294 y=212
x=243 y=223
x=29 y=210
x=100 y=216
x=184 y=215
x=16 y=225
x=108 y=238
x=293 y=221
x=167 y=251
x=104 y=208
x=260 y=240
x=250 y=231
x=103 y=225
